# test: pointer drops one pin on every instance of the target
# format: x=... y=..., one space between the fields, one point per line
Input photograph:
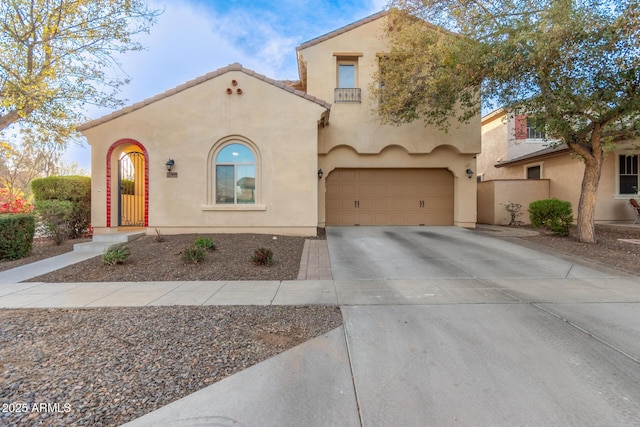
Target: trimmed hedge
x=16 y=235
x=75 y=189
x=554 y=214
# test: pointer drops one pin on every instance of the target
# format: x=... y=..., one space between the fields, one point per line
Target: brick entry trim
x=146 y=178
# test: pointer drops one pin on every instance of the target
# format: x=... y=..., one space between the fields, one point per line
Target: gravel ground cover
x=104 y=367
x=115 y=364
x=609 y=251
x=151 y=260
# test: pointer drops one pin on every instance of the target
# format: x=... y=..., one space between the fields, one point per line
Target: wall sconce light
x=170 y=164
x=320 y=173
x=469 y=173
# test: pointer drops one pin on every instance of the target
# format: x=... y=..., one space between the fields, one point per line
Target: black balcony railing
x=346 y=95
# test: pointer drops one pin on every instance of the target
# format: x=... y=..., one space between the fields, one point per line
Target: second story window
x=347 y=89
x=533 y=130
x=528 y=128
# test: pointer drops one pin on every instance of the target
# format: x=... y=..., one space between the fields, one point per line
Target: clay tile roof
x=197 y=81
x=344 y=29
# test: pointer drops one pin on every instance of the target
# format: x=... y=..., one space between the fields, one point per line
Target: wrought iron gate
x=131 y=190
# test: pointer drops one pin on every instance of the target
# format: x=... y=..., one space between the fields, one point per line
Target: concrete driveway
x=445 y=326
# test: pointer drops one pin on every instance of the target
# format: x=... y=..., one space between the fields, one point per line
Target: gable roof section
x=342 y=30
x=199 y=80
x=537 y=155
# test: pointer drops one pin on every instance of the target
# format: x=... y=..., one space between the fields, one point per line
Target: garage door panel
x=389 y=197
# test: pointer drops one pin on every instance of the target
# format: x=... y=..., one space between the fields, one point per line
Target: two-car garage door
x=389 y=197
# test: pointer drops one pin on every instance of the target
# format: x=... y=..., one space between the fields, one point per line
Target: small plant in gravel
x=205 y=243
x=116 y=256
x=194 y=254
x=263 y=256
x=159 y=237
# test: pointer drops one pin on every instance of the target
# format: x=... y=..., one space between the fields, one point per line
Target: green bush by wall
x=75 y=189
x=554 y=214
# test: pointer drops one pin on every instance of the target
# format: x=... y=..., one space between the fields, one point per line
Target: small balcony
x=347 y=95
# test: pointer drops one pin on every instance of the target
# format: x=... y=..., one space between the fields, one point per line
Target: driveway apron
x=449 y=327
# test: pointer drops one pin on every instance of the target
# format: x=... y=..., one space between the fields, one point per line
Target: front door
x=131 y=190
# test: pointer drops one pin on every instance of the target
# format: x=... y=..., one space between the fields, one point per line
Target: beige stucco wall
x=565 y=174
x=355 y=138
x=189 y=127
x=494 y=147
x=494 y=195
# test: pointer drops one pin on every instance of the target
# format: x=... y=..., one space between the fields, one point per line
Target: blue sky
x=194 y=37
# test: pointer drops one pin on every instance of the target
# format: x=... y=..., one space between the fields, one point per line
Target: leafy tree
x=20 y=163
x=572 y=65
x=58 y=55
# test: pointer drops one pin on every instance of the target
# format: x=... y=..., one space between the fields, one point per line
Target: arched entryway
x=127 y=184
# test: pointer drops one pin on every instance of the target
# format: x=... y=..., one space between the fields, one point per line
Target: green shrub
x=553 y=214
x=56 y=216
x=16 y=235
x=263 y=256
x=194 y=254
x=205 y=243
x=117 y=255
x=75 y=189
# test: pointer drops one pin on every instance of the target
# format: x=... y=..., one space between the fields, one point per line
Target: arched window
x=235 y=175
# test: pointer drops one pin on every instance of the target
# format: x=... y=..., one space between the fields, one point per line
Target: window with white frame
x=235 y=175
x=628 y=174
x=347 y=89
x=528 y=128
x=533 y=130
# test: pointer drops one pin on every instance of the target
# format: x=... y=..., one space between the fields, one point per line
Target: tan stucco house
x=247 y=153
x=518 y=164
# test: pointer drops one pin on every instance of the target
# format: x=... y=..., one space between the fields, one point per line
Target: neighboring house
x=517 y=164
x=252 y=154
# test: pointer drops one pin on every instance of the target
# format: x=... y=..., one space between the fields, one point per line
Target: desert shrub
x=74 y=189
x=553 y=214
x=205 y=243
x=159 y=237
x=10 y=203
x=514 y=212
x=263 y=256
x=16 y=235
x=56 y=216
x=116 y=255
x=194 y=254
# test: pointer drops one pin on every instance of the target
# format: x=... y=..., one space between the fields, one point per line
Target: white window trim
x=617 y=195
x=210 y=204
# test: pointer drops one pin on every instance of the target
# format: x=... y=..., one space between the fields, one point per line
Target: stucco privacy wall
x=495 y=194
x=190 y=126
x=565 y=174
x=356 y=139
